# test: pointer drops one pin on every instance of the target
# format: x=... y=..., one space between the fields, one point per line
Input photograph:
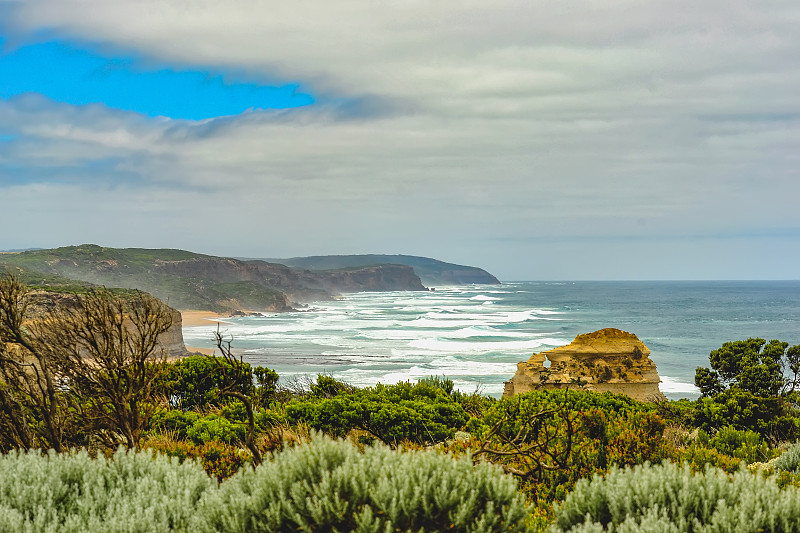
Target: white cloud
x=440 y=124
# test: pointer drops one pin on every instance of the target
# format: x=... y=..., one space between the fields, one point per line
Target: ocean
x=476 y=334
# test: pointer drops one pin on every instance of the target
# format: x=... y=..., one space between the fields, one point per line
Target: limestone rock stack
x=608 y=360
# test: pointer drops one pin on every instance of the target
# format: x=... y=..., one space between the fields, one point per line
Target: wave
x=479 y=332
x=447 y=346
x=671 y=385
x=446 y=367
x=449 y=319
x=484 y=298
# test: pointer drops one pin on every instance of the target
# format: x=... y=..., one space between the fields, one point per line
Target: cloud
x=499 y=133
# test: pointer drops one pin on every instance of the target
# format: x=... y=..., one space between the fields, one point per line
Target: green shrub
x=194 y=382
x=745 y=445
x=553 y=439
x=216 y=427
x=748 y=386
x=197 y=428
x=420 y=413
x=73 y=493
x=330 y=486
x=228 y=424
x=700 y=457
x=175 y=422
x=771 y=417
x=672 y=498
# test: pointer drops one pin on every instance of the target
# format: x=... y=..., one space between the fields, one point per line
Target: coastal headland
x=190 y=281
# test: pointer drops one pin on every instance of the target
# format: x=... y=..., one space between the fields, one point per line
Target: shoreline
x=204 y=351
x=197 y=318
x=193 y=317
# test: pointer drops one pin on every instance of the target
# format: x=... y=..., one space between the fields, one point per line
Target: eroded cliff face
x=186 y=280
x=372 y=278
x=608 y=360
x=43 y=303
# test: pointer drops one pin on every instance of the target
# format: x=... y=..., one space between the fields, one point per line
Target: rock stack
x=608 y=360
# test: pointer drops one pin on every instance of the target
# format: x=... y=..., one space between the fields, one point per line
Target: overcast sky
x=555 y=139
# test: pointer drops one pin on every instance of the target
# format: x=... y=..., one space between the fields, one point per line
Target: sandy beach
x=200 y=318
x=204 y=351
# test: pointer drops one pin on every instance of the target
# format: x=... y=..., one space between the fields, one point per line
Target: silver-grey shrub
x=73 y=493
x=789 y=460
x=330 y=486
x=670 y=498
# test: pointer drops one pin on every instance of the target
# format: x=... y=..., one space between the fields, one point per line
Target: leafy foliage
x=748 y=386
x=771 y=417
x=553 y=439
x=752 y=365
x=199 y=429
x=219 y=460
x=421 y=413
x=745 y=445
x=195 y=381
x=789 y=460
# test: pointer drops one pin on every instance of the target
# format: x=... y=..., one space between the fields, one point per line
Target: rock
x=372 y=278
x=44 y=303
x=608 y=360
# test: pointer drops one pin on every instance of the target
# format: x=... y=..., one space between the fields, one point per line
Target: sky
x=556 y=139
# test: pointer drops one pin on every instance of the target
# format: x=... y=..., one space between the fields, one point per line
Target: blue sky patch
x=76 y=76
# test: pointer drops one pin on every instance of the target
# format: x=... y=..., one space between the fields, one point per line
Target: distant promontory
x=188 y=280
x=430 y=271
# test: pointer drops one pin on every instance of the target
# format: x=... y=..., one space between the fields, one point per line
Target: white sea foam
x=448 y=346
x=472 y=334
x=484 y=331
x=483 y=297
x=670 y=385
x=450 y=368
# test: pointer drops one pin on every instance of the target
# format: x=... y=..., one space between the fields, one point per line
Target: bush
x=228 y=424
x=330 y=486
x=744 y=445
x=748 y=386
x=73 y=493
x=218 y=459
x=553 y=439
x=771 y=417
x=789 y=460
x=197 y=428
x=420 y=413
x=194 y=382
x=670 y=498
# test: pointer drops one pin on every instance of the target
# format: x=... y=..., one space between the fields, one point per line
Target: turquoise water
x=476 y=334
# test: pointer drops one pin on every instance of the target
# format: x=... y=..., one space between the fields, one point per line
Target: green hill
x=430 y=271
x=187 y=280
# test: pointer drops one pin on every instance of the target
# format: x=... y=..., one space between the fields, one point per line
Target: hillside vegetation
x=430 y=271
x=245 y=454
x=188 y=280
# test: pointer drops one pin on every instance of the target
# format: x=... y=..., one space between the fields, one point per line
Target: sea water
x=476 y=334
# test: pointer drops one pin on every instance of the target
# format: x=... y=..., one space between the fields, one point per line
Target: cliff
x=373 y=278
x=430 y=271
x=608 y=360
x=188 y=280
x=42 y=303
